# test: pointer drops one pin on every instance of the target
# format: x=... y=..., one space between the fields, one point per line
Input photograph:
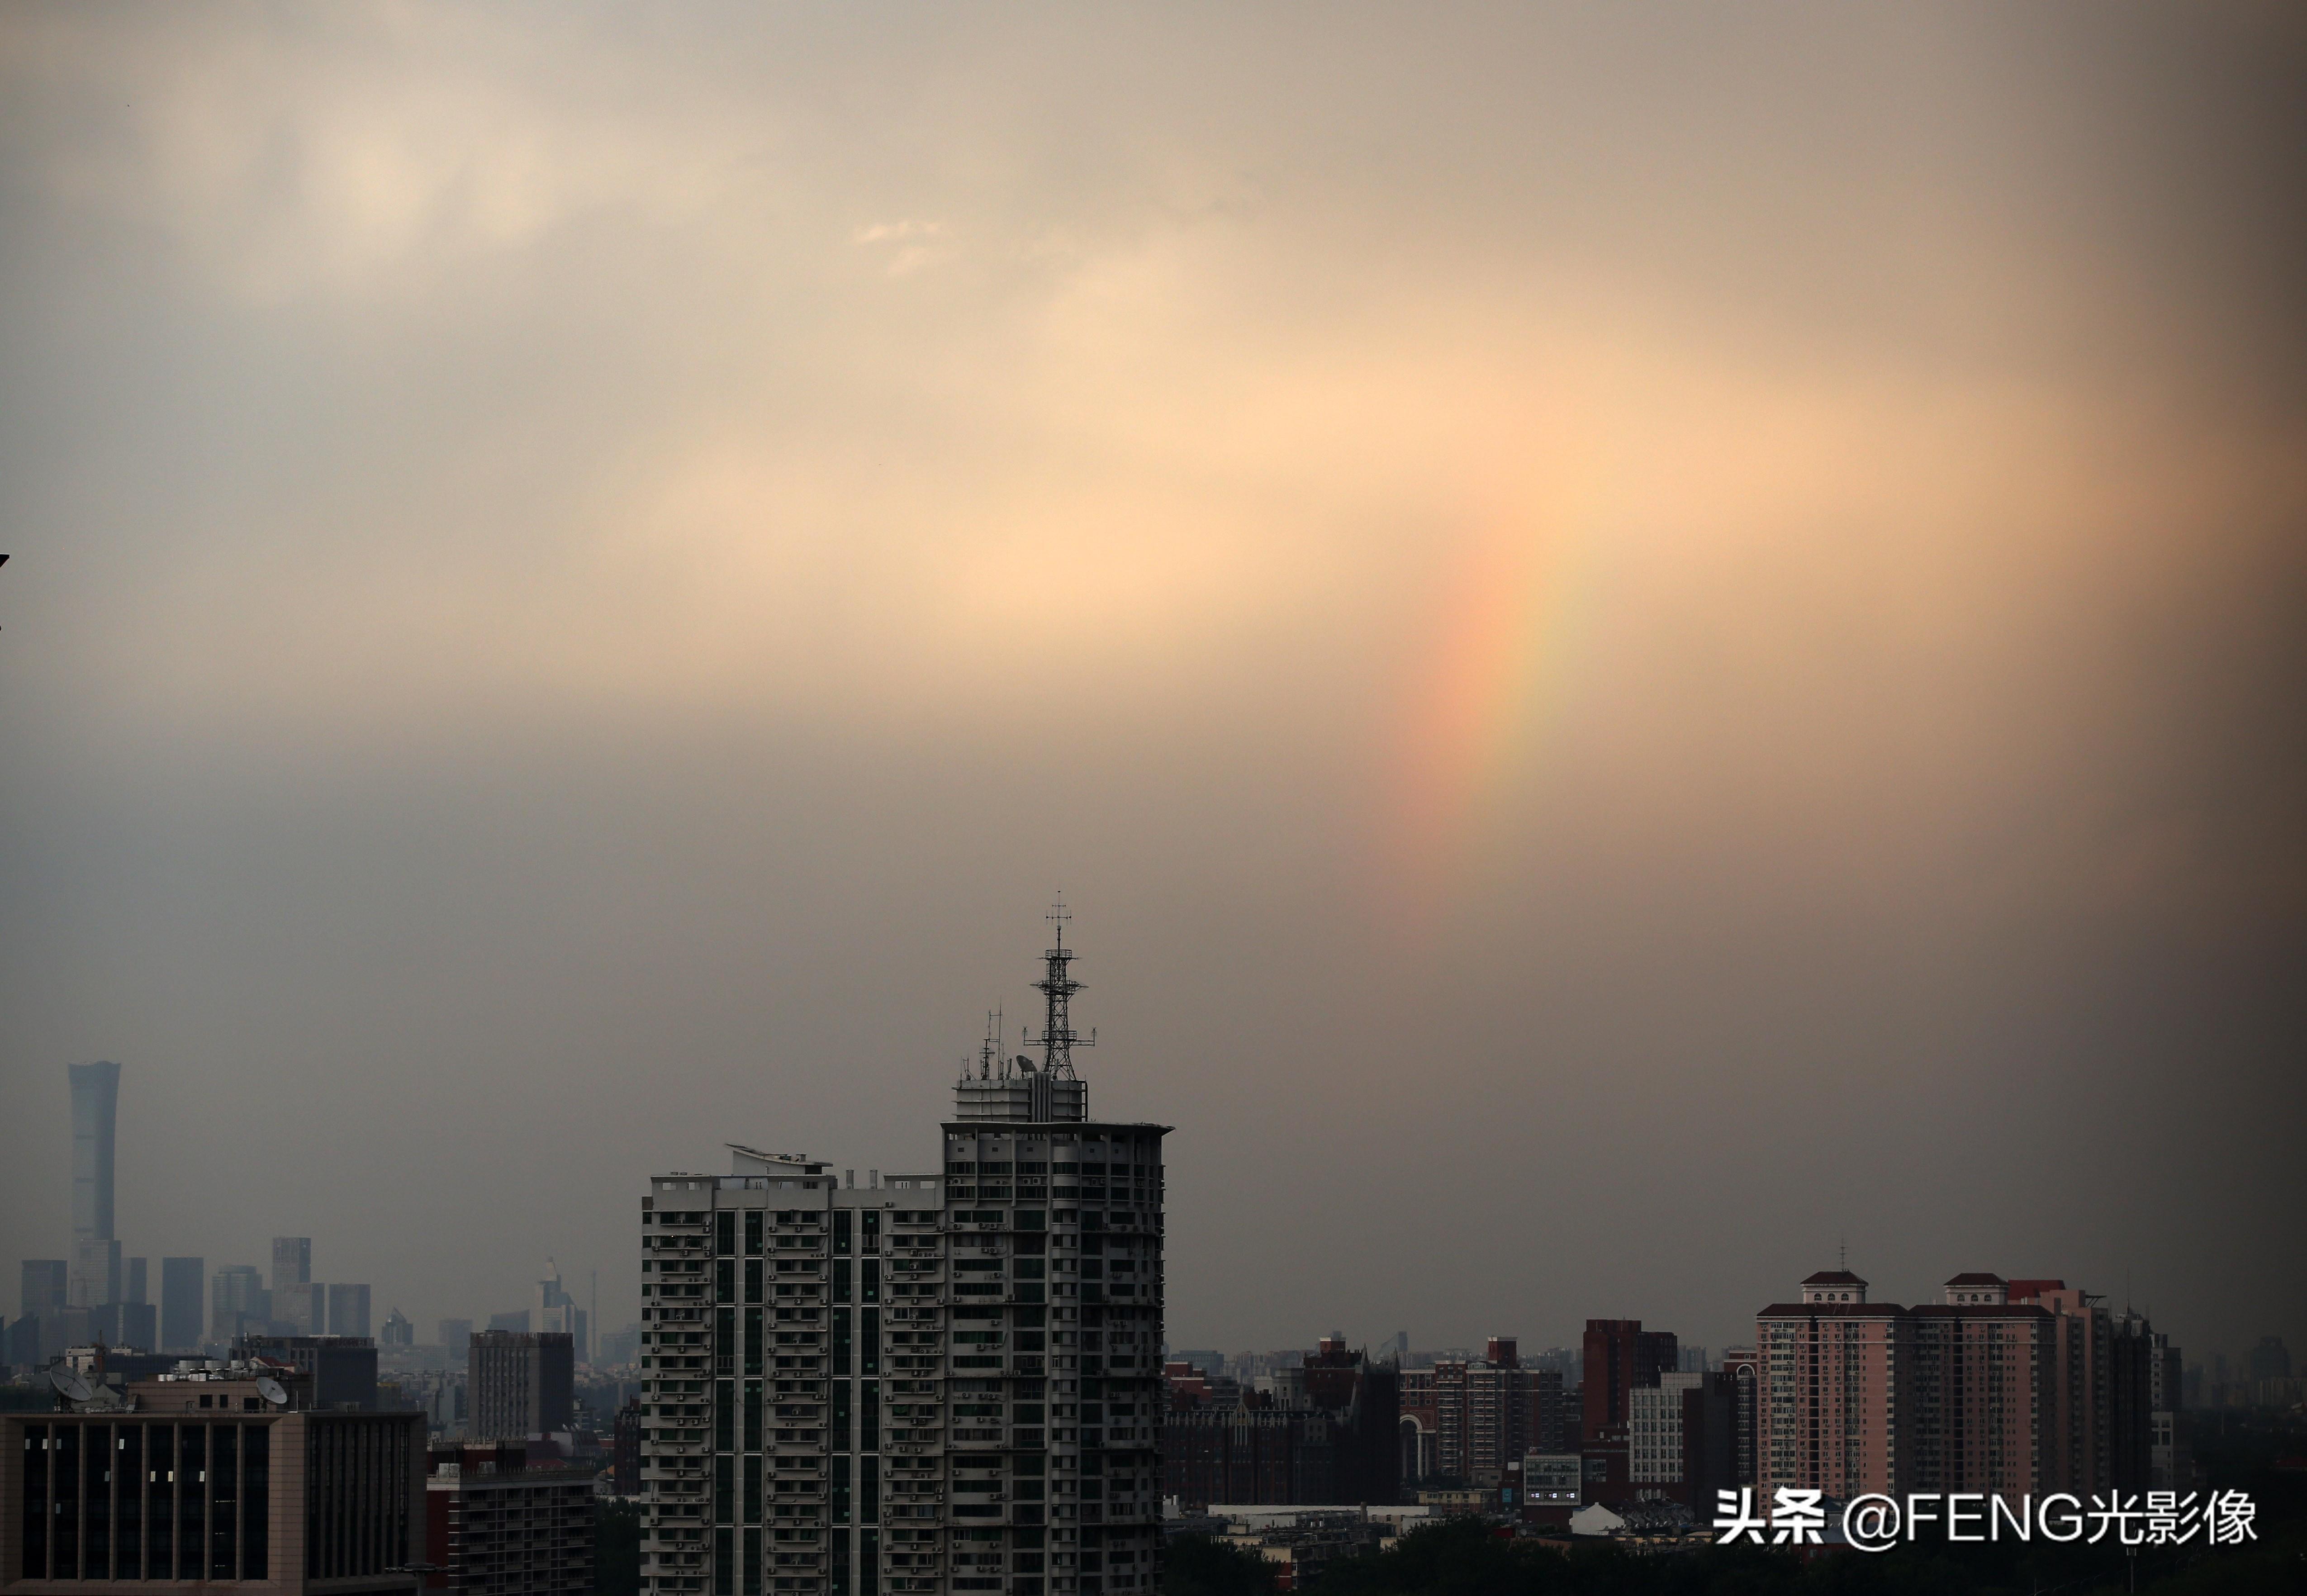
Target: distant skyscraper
x=455 y=1332
x=94 y=1276
x=399 y=1332
x=133 y=1286
x=183 y=1282
x=347 y=1309
x=301 y=1308
x=126 y=1326
x=292 y=1261
x=556 y=1310
x=237 y=1303
x=43 y=1290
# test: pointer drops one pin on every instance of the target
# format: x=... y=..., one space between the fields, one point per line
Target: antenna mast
x=1058 y=986
x=989 y=1052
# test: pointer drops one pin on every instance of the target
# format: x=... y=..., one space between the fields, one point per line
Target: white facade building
x=1654 y=1428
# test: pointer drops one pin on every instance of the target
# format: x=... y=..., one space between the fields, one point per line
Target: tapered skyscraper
x=95 y=1273
x=943 y=1382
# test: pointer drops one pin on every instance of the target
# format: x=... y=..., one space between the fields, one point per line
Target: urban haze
x=1653 y=647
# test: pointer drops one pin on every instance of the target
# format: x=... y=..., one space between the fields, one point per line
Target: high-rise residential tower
x=944 y=1381
x=94 y=1278
x=2010 y=1387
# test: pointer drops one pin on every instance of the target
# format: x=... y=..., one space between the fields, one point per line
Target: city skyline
x=291 y=1265
x=1650 y=644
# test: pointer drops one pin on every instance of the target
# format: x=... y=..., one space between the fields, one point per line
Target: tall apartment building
x=945 y=1381
x=2007 y=1388
x=519 y=1384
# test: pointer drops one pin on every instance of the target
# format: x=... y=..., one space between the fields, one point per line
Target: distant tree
x=1198 y=1566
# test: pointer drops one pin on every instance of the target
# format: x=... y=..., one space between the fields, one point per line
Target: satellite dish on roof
x=272 y=1390
x=72 y=1388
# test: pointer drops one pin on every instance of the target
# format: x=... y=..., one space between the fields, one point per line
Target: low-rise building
x=206 y=1477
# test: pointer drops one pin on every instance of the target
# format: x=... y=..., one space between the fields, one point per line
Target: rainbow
x=1478 y=706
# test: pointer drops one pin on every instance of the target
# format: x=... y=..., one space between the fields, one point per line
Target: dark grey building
x=347 y=1309
x=292 y=1261
x=43 y=1289
x=94 y=1277
x=519 y=1385
x=183 y=1282
x=127 y=1325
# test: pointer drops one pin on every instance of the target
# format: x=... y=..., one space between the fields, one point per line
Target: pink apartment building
x=1979 y=1392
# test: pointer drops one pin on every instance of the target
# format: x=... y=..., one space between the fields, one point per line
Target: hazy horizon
x=1646 y=642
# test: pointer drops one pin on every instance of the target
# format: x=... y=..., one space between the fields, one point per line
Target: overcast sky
x=1647 y=640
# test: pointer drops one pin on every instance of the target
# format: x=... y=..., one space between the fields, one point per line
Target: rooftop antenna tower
x=1059 y=987
x=988 y=1051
